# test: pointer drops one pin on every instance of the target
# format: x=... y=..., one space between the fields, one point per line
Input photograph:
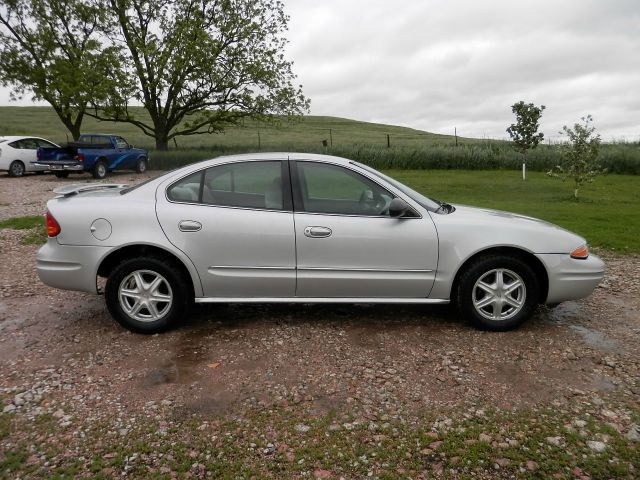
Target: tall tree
x=200 y=65
x=52 y=49
x=524 y=132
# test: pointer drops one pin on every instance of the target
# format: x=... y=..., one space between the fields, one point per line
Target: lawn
x=607 y=214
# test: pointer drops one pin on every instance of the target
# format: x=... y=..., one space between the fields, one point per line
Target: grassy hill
x=304 y=132
x=362 y=141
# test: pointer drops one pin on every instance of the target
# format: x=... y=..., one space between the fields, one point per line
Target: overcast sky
x=439 y=64
x=436 y=64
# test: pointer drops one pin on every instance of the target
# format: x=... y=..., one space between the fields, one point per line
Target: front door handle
x=317 y=232
x=189 y=226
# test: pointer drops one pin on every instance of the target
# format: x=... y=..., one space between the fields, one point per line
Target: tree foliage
x=199 y=65
x=53 y=50
x=524 y=132
x=579 y=155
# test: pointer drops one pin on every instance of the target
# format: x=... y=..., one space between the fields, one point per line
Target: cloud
x=437 y=65
x=440 y=64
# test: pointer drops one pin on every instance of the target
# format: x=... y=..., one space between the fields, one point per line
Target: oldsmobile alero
x=302 y=228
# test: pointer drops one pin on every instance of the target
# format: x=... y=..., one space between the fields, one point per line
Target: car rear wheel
x=100 y=170
x=497 y=292
x=61 y=174
x=141 y=165
x=147 y=294
x=16 y=169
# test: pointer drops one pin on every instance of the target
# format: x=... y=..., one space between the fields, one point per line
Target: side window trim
x=287 y=194
x=298 y=187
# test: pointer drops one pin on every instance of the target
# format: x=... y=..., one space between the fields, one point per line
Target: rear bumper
x=71 y=166
x=69 y=267
x=571 y=279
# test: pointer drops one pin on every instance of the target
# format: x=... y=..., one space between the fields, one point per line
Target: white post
x=524 y=171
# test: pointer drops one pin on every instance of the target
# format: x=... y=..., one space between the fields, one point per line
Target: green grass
x=361 y=141
x=607 y=213
x=22 y=223
x=37 y=234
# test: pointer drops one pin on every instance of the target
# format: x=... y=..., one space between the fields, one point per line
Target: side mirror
x=398 y=207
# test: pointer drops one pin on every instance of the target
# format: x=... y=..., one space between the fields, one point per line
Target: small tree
x=524 y=132
x=579 y=155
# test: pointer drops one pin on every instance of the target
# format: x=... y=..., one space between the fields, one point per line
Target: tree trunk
x=162 y=143
x=161 y=133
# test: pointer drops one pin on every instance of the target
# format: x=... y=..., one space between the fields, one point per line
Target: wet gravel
x=63 y=355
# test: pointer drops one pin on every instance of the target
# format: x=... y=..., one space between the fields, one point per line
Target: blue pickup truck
x=95 y=153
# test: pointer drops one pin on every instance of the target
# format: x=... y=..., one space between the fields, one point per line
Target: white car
x=17 y=154
x=302 y=228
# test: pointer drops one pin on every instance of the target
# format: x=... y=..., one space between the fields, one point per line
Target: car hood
x=495 y=227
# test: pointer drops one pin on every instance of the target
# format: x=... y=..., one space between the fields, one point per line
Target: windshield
x=426 y=202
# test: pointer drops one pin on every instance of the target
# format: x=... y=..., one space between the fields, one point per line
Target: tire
x=517 y=286
x=61 y=174
x=99 y=170
x=16 y=169
x=172 y=298
x=141 y=165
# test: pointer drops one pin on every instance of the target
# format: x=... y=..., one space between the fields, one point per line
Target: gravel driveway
x=64 y=358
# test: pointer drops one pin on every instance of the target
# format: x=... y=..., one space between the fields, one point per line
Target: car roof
x=13 y=138
x=266 y=156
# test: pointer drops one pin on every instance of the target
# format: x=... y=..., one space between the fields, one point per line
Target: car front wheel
x=16 y=169
x=498 y=292
x=147 y=294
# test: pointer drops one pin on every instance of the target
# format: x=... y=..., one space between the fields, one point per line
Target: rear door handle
x=189 y=226
x=317 y=232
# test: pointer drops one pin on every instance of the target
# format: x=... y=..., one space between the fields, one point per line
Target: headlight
x=580 y=253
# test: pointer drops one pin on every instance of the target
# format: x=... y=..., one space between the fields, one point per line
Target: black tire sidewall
x=61 y=174
x=138 y=163
x=96 y=169
x=173 y=275
x=479 y=268
x=17 y=162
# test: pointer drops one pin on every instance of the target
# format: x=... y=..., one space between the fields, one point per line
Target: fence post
x=388 y=141
x=330 y=138
x=455 y=132
x=259 y=146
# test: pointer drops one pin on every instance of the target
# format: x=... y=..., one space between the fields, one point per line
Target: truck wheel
x=100 y=170
x=61 y=174
x=141 y=165
x=147 y=294
x=16 y=169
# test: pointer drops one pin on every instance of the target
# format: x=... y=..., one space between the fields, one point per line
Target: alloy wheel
x=145 y=295
x=499 y=294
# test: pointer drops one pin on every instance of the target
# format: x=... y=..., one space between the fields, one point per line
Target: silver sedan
x=302 y=228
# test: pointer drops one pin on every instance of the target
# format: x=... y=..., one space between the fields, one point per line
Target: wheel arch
x=524 y=255
x=109 y=263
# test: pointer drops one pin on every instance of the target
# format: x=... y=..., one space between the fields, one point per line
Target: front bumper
x=569 y=278
x=69 y=267
x=58 y=166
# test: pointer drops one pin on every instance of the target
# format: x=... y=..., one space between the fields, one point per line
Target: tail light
x=580 y=253
x=53 y=227
x=80 y=157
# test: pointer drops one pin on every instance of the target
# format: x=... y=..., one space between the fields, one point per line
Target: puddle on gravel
x=189 y=355
x=596 y=339
x=566 y=313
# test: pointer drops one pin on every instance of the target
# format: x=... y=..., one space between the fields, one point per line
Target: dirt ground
x=61 y=351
